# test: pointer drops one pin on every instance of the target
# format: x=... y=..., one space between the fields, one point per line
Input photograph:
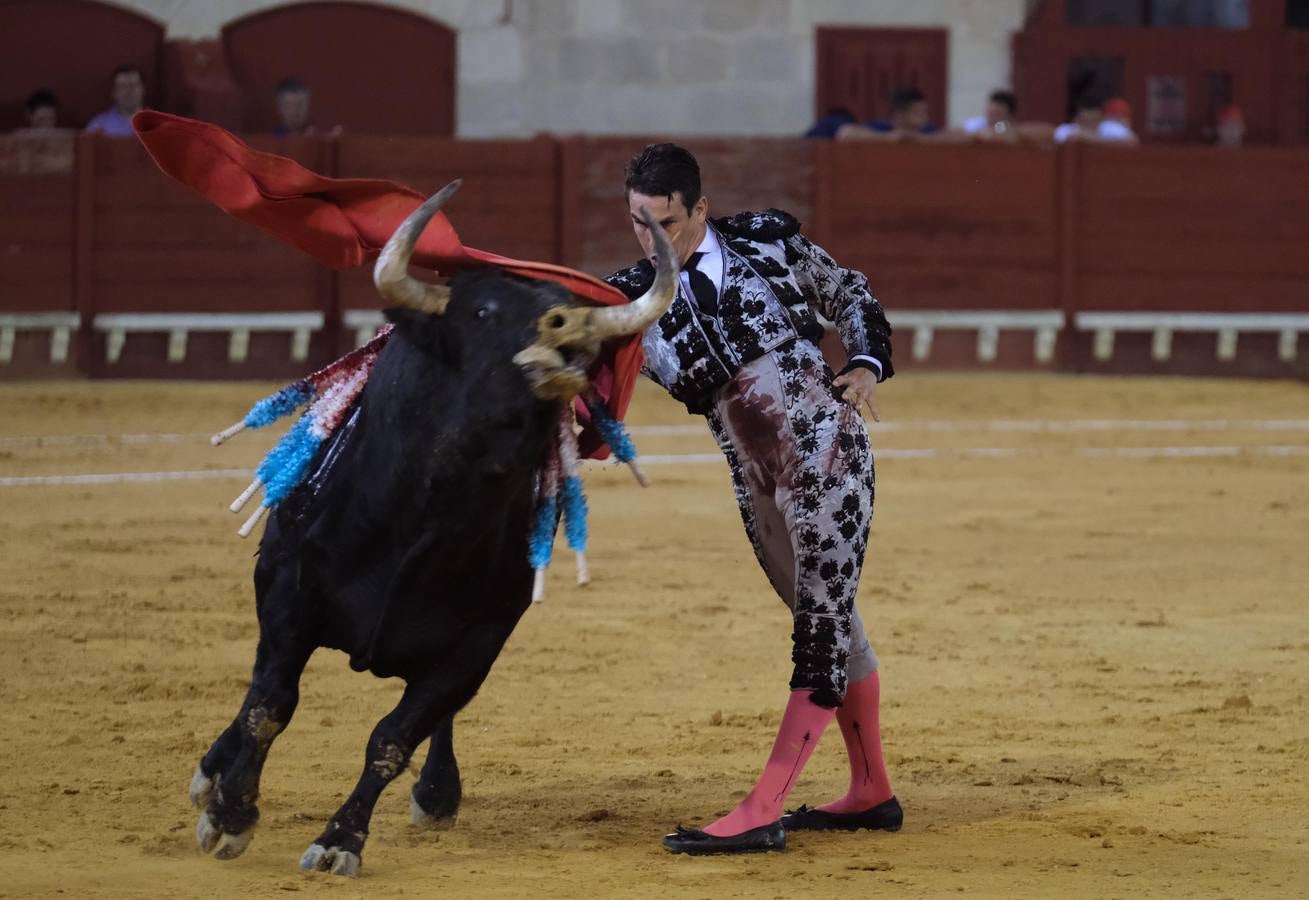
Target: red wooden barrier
x=943 y=227
x=961 y=243
x=36 y=255
x=1215 y=236
x=152 y=247
x=1159 y=259
x=736 y=175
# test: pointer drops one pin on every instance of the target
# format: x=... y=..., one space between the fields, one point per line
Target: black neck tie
x=706 y=295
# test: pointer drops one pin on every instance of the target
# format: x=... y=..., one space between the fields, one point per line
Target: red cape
x=345 y=222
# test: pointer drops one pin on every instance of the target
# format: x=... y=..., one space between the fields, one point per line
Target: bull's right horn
x=391 y=272
x=641 y=313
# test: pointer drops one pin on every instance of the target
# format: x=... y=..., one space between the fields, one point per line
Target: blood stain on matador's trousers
x=802 y=468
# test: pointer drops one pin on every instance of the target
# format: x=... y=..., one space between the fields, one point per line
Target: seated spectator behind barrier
x=828 y=125
x=128 y=95
x=292 y=100
x=42 y=147
x=908 y=121
x=1091 y=125
x=40 y=115
x=1117 y=124
x=1230 y=127
x=999 y=120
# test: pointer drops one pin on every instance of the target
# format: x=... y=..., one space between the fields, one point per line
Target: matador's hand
x=858 y=388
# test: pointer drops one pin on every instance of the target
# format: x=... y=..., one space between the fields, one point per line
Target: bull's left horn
x=391 y=273
x=641 y=313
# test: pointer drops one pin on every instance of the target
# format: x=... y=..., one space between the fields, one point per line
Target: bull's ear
x=428 y=333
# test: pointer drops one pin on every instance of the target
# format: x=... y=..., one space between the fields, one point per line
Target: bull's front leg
x=425 y=704
x=226 y=783
x=434 y=800
x=339 y=849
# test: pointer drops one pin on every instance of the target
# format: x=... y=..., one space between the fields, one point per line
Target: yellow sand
x=1095 y=668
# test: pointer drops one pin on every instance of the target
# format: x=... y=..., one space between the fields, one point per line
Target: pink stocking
x=802 y=726
x=858 y=718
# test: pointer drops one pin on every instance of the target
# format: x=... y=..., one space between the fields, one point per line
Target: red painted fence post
x=83 y=250
x=1068 y=163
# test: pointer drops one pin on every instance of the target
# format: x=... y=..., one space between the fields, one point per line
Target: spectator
x=908 y=122
x=828 y=125
x=1001 y=108
x=1230 y=127
x=128 y=97
x=40 y=114
x=292 y=99
x=1091 y=125
x=1118 y=121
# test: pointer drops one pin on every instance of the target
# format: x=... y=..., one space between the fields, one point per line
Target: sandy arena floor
x=1095 y=662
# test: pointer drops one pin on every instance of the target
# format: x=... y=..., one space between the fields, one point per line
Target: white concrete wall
x=668 y=66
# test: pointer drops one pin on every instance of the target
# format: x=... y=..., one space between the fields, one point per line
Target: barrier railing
x=1081 y=259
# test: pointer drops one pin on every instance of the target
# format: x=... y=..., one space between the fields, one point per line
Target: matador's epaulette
x=768 y=225
x=635 y=280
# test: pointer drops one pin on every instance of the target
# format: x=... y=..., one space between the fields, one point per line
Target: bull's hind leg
x=227 y=780
x=434 y=800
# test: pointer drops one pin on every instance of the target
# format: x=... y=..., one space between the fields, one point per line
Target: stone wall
x=707 y=67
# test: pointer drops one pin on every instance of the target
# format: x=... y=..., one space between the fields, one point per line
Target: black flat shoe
x=886 y=816
x=695 y=842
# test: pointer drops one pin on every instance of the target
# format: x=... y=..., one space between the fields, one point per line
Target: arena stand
x=1155 y=260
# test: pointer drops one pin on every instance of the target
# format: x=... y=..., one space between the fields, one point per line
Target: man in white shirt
x=1001 y=107
x=1092 y=124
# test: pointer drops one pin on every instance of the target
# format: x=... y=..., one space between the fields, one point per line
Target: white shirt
x=713 y=265
x=1109 y=130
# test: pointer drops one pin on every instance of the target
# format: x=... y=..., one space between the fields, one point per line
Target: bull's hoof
x=222 y=845
x=201 y=787
x=330 y=859
x=424 y=819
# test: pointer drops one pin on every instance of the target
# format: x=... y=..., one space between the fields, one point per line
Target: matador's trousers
x=803 y=472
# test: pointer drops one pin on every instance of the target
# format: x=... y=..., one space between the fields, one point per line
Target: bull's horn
x=391 y=273
x=612 y=321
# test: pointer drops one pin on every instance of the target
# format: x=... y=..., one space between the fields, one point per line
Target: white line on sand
x=691 y=459
x=911 y=425
x=1057 y=426
x=122 y=477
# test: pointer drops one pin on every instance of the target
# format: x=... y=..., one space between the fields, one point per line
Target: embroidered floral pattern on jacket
x=776 y=279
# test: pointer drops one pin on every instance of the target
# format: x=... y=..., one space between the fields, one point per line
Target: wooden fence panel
x=736 y=175
x=507 y=204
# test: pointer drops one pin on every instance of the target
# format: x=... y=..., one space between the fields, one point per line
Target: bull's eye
x=483 y=312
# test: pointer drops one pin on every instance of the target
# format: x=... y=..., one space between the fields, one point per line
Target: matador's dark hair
x=661 y=170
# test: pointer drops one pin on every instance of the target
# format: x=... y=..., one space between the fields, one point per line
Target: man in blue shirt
x=129 y=98
x=909 y=120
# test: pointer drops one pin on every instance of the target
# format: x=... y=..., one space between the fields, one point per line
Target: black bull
x=407 y=549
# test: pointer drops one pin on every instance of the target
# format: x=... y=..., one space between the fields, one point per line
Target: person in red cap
x=1118 y=110
x=1230 y=130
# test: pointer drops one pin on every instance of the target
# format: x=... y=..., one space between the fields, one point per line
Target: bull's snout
x=569 y=337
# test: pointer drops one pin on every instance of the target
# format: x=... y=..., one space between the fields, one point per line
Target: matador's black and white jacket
x=776 y=280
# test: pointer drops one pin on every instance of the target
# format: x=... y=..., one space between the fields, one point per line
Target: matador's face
x=685 y=228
